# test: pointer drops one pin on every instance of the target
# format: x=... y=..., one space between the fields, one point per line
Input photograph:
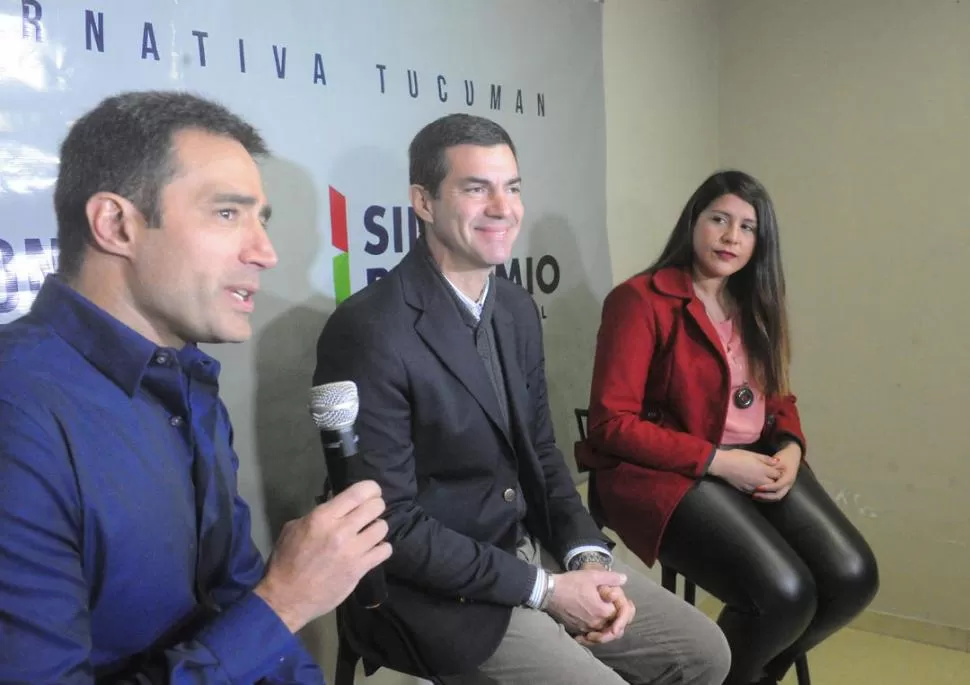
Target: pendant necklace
x=743 y=397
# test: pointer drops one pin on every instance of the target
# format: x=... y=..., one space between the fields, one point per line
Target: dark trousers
x=790 y=573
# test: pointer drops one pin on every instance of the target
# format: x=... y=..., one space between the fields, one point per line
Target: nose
x=259 y=250
x=733 y=233
x=498 y=205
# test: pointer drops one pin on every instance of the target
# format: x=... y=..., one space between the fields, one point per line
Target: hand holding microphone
x=320 y=558
x=334 y=407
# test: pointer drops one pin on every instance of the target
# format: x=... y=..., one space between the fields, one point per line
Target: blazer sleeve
x=425 y=553
x=571 y=524
x=625 y=347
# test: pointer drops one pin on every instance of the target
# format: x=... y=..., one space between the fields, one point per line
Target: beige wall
x=855 y=116
x=661 y=77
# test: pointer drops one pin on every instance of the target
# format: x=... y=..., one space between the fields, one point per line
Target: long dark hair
x=758 y=288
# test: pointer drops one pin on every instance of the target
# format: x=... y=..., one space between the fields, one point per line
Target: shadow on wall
x=572 y=314
x=288 y=447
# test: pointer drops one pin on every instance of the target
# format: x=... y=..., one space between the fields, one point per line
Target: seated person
x=125 y=553
x=498 y=574
x=697 y=445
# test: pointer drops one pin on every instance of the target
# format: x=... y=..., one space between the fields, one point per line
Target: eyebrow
x=485 y=182
x=246 y=200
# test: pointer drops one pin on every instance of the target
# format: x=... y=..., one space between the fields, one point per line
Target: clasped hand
x=767 y=478
x=591 y=605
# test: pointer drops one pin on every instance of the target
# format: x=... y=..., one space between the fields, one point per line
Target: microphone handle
x=339 y=446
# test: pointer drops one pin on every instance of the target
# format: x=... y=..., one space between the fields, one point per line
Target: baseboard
x=914 y=629
x=892 y=625
x=902 y=627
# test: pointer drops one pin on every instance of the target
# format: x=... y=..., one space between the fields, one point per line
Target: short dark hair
x=124 y=146
x=428 y=162
x=758 y=288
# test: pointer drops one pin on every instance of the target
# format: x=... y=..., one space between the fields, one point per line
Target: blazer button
x=509 y=495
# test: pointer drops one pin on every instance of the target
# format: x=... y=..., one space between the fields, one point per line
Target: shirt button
x=162 y=358
x=509 y=495
x=175 y=421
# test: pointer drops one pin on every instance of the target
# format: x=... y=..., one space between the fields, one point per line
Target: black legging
x=790 y=573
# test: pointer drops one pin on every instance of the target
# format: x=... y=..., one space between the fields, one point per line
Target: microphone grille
x=334 y=405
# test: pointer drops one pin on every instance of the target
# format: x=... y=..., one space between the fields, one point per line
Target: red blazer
x=658 y=403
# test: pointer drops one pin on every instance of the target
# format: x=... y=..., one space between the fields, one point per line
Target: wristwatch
x=583 y=558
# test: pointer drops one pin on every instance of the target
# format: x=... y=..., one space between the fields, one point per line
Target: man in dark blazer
x=498 y=573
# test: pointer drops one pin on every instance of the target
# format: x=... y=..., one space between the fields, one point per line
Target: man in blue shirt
x=125 y=553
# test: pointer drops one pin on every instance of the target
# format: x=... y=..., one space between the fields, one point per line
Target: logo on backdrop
x=338 y=238
x=393 y=229
x=22 y=272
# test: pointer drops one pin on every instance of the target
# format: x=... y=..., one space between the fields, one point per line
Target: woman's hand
x=789 y=459
x=745 y=470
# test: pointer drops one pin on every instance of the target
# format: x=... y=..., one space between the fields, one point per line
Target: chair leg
x=668 y=579
x=801 y=671
x=690 y=591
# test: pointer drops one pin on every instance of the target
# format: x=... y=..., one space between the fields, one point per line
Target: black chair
x=668 y=575
x=347 y=658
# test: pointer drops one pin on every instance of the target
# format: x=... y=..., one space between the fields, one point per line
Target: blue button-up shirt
x=98 y=520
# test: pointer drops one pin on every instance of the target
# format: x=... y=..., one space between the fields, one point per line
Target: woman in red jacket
x=697 y=448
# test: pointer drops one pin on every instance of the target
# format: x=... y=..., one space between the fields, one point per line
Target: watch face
x=591 y=558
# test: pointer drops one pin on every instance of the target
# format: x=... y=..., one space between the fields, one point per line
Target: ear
x=421 y=201
x=113 y=221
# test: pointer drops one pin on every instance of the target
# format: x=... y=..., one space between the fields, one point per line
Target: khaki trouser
x=668 y=642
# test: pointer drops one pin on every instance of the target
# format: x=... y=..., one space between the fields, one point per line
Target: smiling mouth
x=242 y=294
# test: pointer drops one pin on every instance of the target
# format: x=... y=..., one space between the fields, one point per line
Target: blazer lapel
x=676 y=281
x=696 y=309
x=442 y=330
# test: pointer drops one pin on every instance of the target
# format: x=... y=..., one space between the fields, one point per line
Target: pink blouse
x=743 y=426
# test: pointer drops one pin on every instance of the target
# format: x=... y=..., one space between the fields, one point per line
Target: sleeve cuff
x=585 y=548
x=785 y=439
x=707 y=464
x=538 y=589
x=249 y=640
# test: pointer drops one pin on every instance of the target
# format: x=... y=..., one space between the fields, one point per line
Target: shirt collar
x=473 y=306
x=110 y=346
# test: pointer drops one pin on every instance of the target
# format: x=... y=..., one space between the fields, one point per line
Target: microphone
x=333 y=408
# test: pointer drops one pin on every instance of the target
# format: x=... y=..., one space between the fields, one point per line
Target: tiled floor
x=853 y=657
